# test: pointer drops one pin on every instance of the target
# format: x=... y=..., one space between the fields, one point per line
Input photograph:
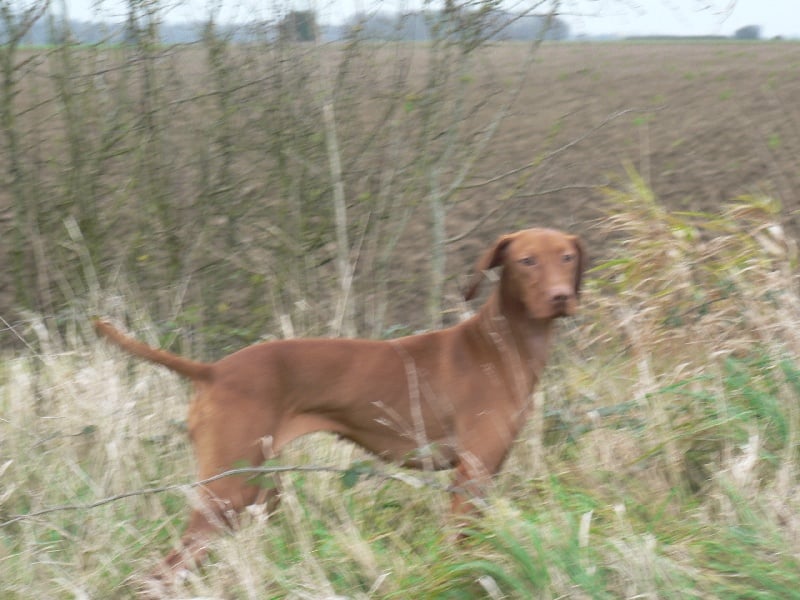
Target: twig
x=503 y=206
x=407 y=479
x=9 y=327
x=561 y=149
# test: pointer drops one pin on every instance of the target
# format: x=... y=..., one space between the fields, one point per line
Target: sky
x=685 y=17
x=590 y=17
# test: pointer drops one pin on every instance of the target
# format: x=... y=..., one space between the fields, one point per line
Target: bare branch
x=413 y=481
x=506 y=207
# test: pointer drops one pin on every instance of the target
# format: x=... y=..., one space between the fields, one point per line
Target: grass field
x=661 y=462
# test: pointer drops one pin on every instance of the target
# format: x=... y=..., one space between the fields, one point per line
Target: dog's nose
x=560 y=296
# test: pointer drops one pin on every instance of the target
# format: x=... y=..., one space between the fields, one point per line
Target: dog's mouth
x=563 y=309
x=555 y=310
x=551 y=313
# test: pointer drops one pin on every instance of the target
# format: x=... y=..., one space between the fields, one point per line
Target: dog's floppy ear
x=493 y=257
x=583 y=259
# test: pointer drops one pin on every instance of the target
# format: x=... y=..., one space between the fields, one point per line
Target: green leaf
x=351 y=476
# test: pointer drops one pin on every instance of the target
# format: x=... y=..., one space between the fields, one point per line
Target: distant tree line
x=419 y=26
x=749 y=32
x=303 y=26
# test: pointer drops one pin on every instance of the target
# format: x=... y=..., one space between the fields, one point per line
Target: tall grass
x=662 y=461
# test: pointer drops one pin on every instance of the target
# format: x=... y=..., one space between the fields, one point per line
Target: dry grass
x=662 y=463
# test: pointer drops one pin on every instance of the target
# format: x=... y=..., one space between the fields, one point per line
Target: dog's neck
x=524 y=342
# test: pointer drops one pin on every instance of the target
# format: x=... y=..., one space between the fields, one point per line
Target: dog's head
x=542 y=271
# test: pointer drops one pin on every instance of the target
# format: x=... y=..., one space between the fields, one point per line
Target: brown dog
x=454 y=398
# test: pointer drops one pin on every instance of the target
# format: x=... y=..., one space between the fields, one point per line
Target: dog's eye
x=568 y=258
x=528 y=261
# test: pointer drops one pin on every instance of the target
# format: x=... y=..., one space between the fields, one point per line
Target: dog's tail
x=197 y=371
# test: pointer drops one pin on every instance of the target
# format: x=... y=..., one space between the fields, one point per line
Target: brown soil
x=712 y=122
